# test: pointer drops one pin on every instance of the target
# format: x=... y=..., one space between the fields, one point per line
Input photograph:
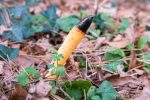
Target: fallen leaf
x=119 y=44
x=99 y=42
x=123 y=12
x=43 y=43
x=18 y=93
x=130 y=33
x=139 y=72
x=26 y=61
x=42 y=88
x=118 y=38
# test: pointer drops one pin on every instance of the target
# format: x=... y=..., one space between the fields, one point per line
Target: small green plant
x=29 y=74
x=113 y=54
x=57 y=69
x=76 y=89
x=104 y=92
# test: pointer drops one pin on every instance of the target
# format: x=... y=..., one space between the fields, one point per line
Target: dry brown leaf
x=99 y=42
x=43 y=43
x=42 y=88
x=139 y=72
x=127 y=13
x=26 y=61
x=119 y=44
x=18 y=93
x=118 y=38
x=130 y=33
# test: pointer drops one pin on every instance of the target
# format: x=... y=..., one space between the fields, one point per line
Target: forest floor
x=113 y=58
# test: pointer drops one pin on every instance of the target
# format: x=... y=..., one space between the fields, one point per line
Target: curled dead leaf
x=99 y=42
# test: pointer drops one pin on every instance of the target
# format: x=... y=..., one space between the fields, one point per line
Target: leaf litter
x=116 y=48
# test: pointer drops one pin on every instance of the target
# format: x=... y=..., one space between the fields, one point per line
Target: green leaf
x=96 y=97
x=91 y=92
x=23 y=76
x=142 y=41
x=53 y=71
x=54 y=91
x=31 y=70
x=130 y=46
x=105 y=16
x=60 y=71
x=98 y=21
x=60 y=56
x=66 y=23
x=146 y=58
x=37 y=28
x=8 y=53
x=113 y=53
x=77 y=86
x=39 y=19
x=95 y=33
x=74 y=93
x=125 y=23
x=23 y=79
x=110 y=24
x=60 y=65
x=18 y=11
x=25 y=24
x=54 y=57
x=51 y=66
x=51 y=12
x=32 y=2
x=107 y=91
x=113 y=66
x=146 y=69
x=53 y=83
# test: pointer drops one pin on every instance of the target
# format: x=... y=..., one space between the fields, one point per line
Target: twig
x=147 y=62
x=96 y=6
x=136 y=67
x=65 y=93
x=84 y=95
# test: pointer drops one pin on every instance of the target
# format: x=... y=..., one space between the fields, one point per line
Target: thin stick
x=65 y=93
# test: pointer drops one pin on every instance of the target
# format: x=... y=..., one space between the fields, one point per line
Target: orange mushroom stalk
x=72 y=40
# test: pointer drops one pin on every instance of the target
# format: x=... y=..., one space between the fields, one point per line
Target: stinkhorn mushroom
x=71 y=41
